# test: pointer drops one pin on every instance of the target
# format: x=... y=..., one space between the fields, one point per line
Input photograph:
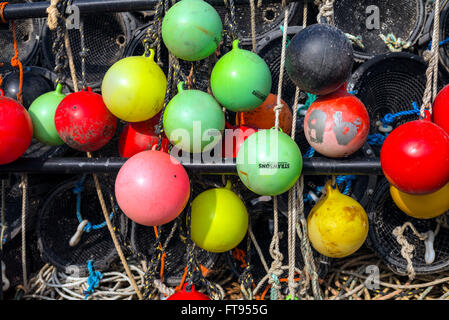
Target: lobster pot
x=369 y=19
x=143 y=240
x=390 y=83
x=268 y=17
x=28 y=32
x=384 y=217
x=105 y=38
x=58 y=222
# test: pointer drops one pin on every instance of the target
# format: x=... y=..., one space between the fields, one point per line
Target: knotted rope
x=432 y=70
x=326 y=10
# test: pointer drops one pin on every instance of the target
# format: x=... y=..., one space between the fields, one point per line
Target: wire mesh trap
x=372 y=20
x=105 y=38
x=391 y=83
x=58 y=222
x=384 y=217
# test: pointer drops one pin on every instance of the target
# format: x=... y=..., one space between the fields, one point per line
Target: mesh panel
x=58 y=223
x=444 y=34
x=384 y=216
x=268 y=17
x=106 y=36
x=27 y=35
x=403 y=18
x=389 y=84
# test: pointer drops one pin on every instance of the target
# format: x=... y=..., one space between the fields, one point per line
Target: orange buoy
x=263 y=117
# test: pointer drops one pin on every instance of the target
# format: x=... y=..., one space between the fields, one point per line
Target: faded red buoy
x=233 y=139
x=188 y=294
x=83 y=122
x=415 y=157
x=337 y=125
x=139 y=136
x=16 y=129
x=152 y=188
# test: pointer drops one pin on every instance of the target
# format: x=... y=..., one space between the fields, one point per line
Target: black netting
x=390 y=83
x=384 y=217
x=403 y=18
x=267 y=18
x=106 y=36
x=58 y=222
x=27 y=35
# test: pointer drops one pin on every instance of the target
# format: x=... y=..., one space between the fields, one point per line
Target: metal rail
x=313 y=166
x=38 y=9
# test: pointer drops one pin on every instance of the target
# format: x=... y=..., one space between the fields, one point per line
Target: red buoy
x=188 y=294
x=337 y=125
x=233 y=139
x=440 y=109
x=152 y=188
x=139 y=136
x=83 y=122
x=415 y=157
x=16 y=129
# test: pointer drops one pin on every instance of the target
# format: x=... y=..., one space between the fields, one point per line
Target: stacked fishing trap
x=107 y=201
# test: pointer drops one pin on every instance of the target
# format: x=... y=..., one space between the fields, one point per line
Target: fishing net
x=106 y=36
x=384 y=217
x=368 y=20
x=58 y=222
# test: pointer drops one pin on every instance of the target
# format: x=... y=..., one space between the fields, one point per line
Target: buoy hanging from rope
x=337 y=224
x=337 y=125
x=134 y=88
x=188 y=292
x=143 y=184
x=42 y=112
x=83 y=122
x=193 y=120
x=16 y=129
x=192 y=30
x=219 y=220
x=240 y=80
x=319 y=59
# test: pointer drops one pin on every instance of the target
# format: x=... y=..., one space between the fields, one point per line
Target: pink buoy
x=152 y=188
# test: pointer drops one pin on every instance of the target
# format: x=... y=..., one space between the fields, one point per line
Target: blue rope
x=78 y=189
x=376 y=139
x=94 y=279
x=309 y=153
x=389 y=118
x=347 y=179
x=439 y=44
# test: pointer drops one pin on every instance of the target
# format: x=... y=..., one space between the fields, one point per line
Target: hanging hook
x=430 y=252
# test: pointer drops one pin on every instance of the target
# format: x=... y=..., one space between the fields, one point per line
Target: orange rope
x=15 y=62
x=162 y=258
x=2 y=9
x=239 y=255
x=262 y=296
x=181 y=284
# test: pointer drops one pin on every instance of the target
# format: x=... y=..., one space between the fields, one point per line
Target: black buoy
x=34 y=85
x=319 y=59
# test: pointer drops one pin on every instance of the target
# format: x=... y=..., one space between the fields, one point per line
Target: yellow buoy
x=338 y=224
x=422 y=206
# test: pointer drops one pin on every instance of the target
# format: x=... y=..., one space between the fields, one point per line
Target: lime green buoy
x=191 y=30
x=269 y=162
x=42 y=113
x=193 y=120
x=240 y=80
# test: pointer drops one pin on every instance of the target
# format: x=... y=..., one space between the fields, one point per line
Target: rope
x=15 y=62
x=326 y=10
x=2 y=9
x=395 y=44
x=432 y=69
x=253 y=24
x=93 y=280
x=407 y=248
x=24 y=185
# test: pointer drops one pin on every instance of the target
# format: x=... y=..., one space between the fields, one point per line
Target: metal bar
x=38 y=9
x=313 y=166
